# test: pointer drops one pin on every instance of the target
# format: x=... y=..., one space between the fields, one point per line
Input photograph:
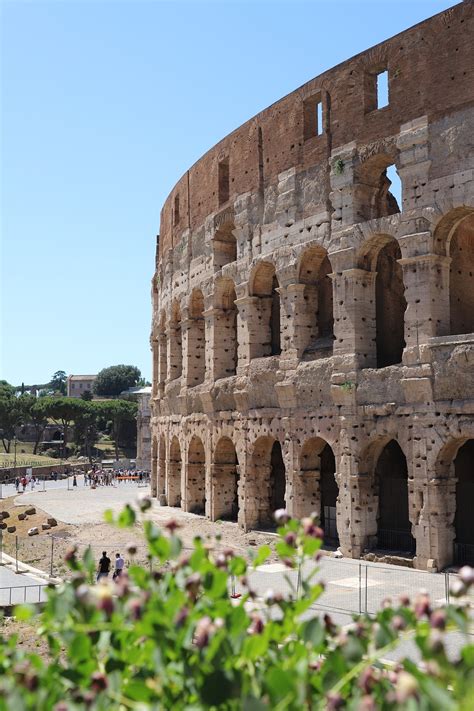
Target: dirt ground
x=46 y=551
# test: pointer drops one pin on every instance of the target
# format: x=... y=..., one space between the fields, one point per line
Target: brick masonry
x=313 y=340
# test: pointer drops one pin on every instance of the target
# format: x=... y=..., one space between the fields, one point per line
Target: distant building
x=142 y=397
x=79 y=384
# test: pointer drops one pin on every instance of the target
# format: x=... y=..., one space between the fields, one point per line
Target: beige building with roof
x=79 y=384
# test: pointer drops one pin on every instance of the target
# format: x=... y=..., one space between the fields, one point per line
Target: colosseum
x=313 y=330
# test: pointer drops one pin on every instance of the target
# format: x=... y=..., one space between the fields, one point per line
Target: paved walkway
x=20 y=587
x=81 y=504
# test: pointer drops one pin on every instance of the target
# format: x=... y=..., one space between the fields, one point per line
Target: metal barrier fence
x=355 y=587
x=20 y=594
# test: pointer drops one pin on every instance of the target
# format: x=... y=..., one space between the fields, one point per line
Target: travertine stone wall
x=313 y=336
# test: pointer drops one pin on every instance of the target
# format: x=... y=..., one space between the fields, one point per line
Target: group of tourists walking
x=104 y=566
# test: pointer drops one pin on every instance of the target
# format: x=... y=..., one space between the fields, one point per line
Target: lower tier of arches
x=376 y=486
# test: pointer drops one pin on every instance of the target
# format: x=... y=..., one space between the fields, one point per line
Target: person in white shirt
x=119 y=563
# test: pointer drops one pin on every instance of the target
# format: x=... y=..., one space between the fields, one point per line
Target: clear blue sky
x=104 y=106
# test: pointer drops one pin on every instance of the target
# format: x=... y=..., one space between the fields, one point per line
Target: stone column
x=298 y=303
x=426 y=280
x=249 y=331
x=162 y=362
x=354 y=316
x=357 y=504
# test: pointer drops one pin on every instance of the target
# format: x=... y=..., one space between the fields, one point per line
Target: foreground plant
x=173 y=637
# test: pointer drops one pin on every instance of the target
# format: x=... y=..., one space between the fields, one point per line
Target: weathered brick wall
x=313 y=340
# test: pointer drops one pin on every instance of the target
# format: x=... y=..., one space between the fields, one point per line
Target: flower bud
x=281 y=517
x=467 y=575
x=334 y=701
x=105 y=600
x=181 y=617
x=398 y=623
x=257 y=625
x=131 y=549
x=458 y=588
x=98 y=682
x=438 y=619
x=406 y=687
x=202 y=632
x=144 y=503
x=172 y=525
x=290 y=539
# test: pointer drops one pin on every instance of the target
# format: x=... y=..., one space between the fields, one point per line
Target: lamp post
x=14 y=451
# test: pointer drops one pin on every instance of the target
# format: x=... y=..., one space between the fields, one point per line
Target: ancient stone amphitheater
x=313 y=333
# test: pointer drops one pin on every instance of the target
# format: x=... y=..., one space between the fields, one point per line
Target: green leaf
x=262 y=554
x=109 y=516
x=23 y=613
x=126 y=517
x=313 y=632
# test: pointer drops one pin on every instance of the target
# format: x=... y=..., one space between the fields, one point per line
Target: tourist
x=74 y=480
x=17 y=484
x=103 y=569
x=119 y=563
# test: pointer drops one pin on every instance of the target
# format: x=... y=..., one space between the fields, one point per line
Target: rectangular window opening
x=176 y=210
x=382 y=89
x=224 y=181
x=319 y=118
x=313 y=117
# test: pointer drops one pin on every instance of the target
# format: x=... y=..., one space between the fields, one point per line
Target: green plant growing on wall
x=338 y=166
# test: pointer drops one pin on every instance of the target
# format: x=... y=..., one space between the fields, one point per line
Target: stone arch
x=318 y=322
x=372 y=196
x=380 y=255
x=316 y=488
x=390 y=473
x=452 y=493
x=460 y=246
x=265 y=286
x=196 y=477
x=463 y=519
x=173 y=480
x=265 y=481
x=196 y=343
x=225 y=334
x=224 y=245
x=175 y=354
x=225 y=481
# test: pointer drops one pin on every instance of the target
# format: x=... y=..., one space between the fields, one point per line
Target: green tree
x=112 y=381
x=87 y=396
x=64 y=411
x=169 y=636
x=11 y=414
x=58 y=382
x=86 y=431
x=119 y=412
x=35 y=413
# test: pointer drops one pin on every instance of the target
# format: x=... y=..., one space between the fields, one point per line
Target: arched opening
x=277 y=478
x=461 y=277
x=464 y=519
x=316 y=488
x=265 y=287
x=196 y=355
x=317 y=323
x=224 y=245
x=175 y=343
x=196 y=479
x=225 y=334
x=173 y=494
x=225 y=482
x=329 y=495
x=161 y=471
x=391 y=477
x=376 y=187
x=266 y=482
x=380 y=255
